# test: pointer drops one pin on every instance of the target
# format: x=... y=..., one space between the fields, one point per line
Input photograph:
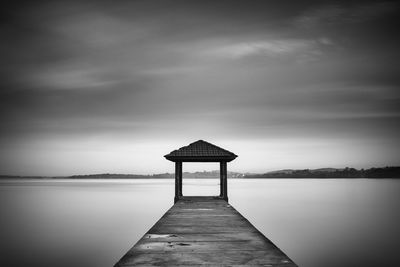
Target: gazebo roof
x=201 y=151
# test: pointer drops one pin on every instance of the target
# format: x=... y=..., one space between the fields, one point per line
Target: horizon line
x=152 y=174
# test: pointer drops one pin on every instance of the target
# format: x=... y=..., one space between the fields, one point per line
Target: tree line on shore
x=386 y=172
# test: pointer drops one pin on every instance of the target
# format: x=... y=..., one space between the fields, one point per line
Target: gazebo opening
x=201 y=151
x=200 y=179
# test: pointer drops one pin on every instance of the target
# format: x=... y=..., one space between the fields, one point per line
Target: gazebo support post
x=221 y=181
x=224 y=181
x=178 y=180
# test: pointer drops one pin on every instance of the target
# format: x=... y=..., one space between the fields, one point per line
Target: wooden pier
x=203 y=230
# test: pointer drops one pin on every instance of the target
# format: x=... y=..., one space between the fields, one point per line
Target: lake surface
x=92 y=223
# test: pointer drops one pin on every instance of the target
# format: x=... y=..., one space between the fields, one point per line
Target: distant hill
x=386 y=172
x=120 y=176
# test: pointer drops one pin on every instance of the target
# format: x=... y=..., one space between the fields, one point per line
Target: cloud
x=277 y=48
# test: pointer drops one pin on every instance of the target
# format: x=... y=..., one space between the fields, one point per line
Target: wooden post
x=178 y=180
x=221 y=181
x=224 y=180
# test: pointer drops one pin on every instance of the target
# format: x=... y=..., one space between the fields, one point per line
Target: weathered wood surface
x=204 y=231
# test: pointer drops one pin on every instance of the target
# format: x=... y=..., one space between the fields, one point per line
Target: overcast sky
x=92 y=87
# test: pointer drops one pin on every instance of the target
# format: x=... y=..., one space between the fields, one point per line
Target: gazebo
x=201 y=151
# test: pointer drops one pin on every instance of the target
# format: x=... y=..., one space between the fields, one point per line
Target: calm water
x=93 y=223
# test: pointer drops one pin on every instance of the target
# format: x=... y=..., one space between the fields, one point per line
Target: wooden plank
x=236 y=236
x=204 y=231
x=246 y=258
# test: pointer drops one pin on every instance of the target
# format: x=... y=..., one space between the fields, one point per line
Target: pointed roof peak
x=201 y=151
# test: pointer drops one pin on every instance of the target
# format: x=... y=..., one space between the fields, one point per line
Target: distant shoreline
x=323 y=173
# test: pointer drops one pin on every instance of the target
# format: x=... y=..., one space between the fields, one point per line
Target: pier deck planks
x=204 y=231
